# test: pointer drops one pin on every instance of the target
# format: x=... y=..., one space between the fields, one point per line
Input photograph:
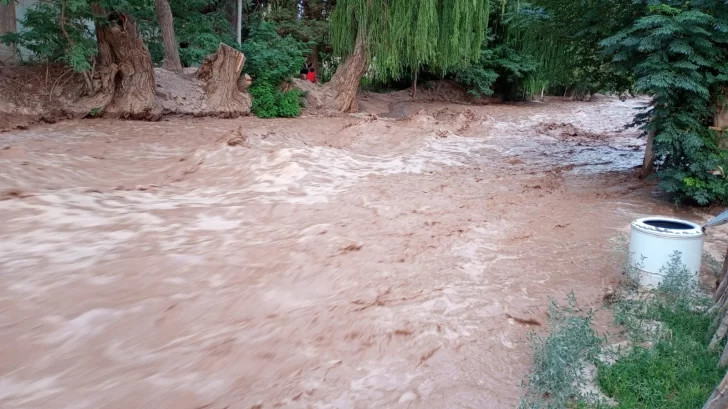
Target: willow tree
x=394 y=36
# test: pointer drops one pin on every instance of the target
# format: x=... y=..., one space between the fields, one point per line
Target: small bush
x=270 y=102
x=289 y=104
x=265 y=103
x=558 y=376
x=500 y=69
x=272 y=60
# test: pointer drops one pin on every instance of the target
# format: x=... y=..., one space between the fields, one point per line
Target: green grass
x=677 y=372
x=669 y=367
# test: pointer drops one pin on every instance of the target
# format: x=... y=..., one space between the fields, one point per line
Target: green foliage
x=289 y=103
x=270 y=102
x=679 y=55
x=563 y=37
x=674 y=374
x=265 y=104
x=272 y=58
x=501 y=69
x=306 y=22
x=559 y=358
x=44 y=38
x=401 y=36
x=670 y=366
x=200 y=27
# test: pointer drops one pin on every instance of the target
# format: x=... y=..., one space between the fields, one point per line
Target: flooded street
x=351 y=262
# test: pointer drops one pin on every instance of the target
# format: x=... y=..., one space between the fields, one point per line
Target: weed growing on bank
x=558 y=377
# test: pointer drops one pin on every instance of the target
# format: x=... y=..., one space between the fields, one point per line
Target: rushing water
x=322 y=263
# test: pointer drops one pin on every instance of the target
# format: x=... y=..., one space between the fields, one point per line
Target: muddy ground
x=365 y=261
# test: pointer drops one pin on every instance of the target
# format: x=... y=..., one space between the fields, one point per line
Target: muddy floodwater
x=351 y=262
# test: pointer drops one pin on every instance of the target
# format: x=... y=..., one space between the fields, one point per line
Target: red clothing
x=311 y=76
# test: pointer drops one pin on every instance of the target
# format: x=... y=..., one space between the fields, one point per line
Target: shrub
x=271 y=61
x=500 y=69
x=289 y=103
x=265 y=104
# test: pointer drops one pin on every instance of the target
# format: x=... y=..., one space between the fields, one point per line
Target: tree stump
x=221 y=72
x=134 y=90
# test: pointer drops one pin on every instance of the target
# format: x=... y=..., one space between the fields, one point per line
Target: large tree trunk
x=345 y=82
x=221 y=72
x=648 y=162
x=134 y=91
x=166 y=23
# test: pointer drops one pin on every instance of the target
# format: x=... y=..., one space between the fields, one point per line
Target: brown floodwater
x=348 y=262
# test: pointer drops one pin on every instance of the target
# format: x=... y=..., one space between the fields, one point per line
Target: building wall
x=9 y=16
x=7 y=25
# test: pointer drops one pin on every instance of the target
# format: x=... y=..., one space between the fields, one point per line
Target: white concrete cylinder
x=654 y=239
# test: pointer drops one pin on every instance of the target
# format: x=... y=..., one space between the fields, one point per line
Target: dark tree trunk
x=720 y=120
x=414 y=86
x=134 y=91
x=345 y=82
x=103 y=57
x=648 y=162
x=221 y=72
x=166 y=23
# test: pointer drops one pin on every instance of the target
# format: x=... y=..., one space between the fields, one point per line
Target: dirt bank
x=348 y=262
x=48 y=94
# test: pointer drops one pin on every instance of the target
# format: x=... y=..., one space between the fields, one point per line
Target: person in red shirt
x=311 y=76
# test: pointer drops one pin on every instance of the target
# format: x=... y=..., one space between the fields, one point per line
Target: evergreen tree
x=678 y=53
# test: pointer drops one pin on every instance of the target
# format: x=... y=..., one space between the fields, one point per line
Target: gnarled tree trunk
x=345 y=83
x=166 y=24
x=221 y=72
x=134 y=91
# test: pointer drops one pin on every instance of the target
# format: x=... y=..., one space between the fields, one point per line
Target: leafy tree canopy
x=402 y=35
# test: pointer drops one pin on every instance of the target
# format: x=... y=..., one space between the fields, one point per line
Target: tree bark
x=722 y=279
x=648 y=162
x=719 y=398
x=720 y=120
x=134 y=92
x=414 y=85
x=221 y=72
x=166 y=23
x=345 y=82
x=103 y=55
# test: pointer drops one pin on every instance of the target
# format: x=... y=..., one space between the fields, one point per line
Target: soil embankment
x=48 y=94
